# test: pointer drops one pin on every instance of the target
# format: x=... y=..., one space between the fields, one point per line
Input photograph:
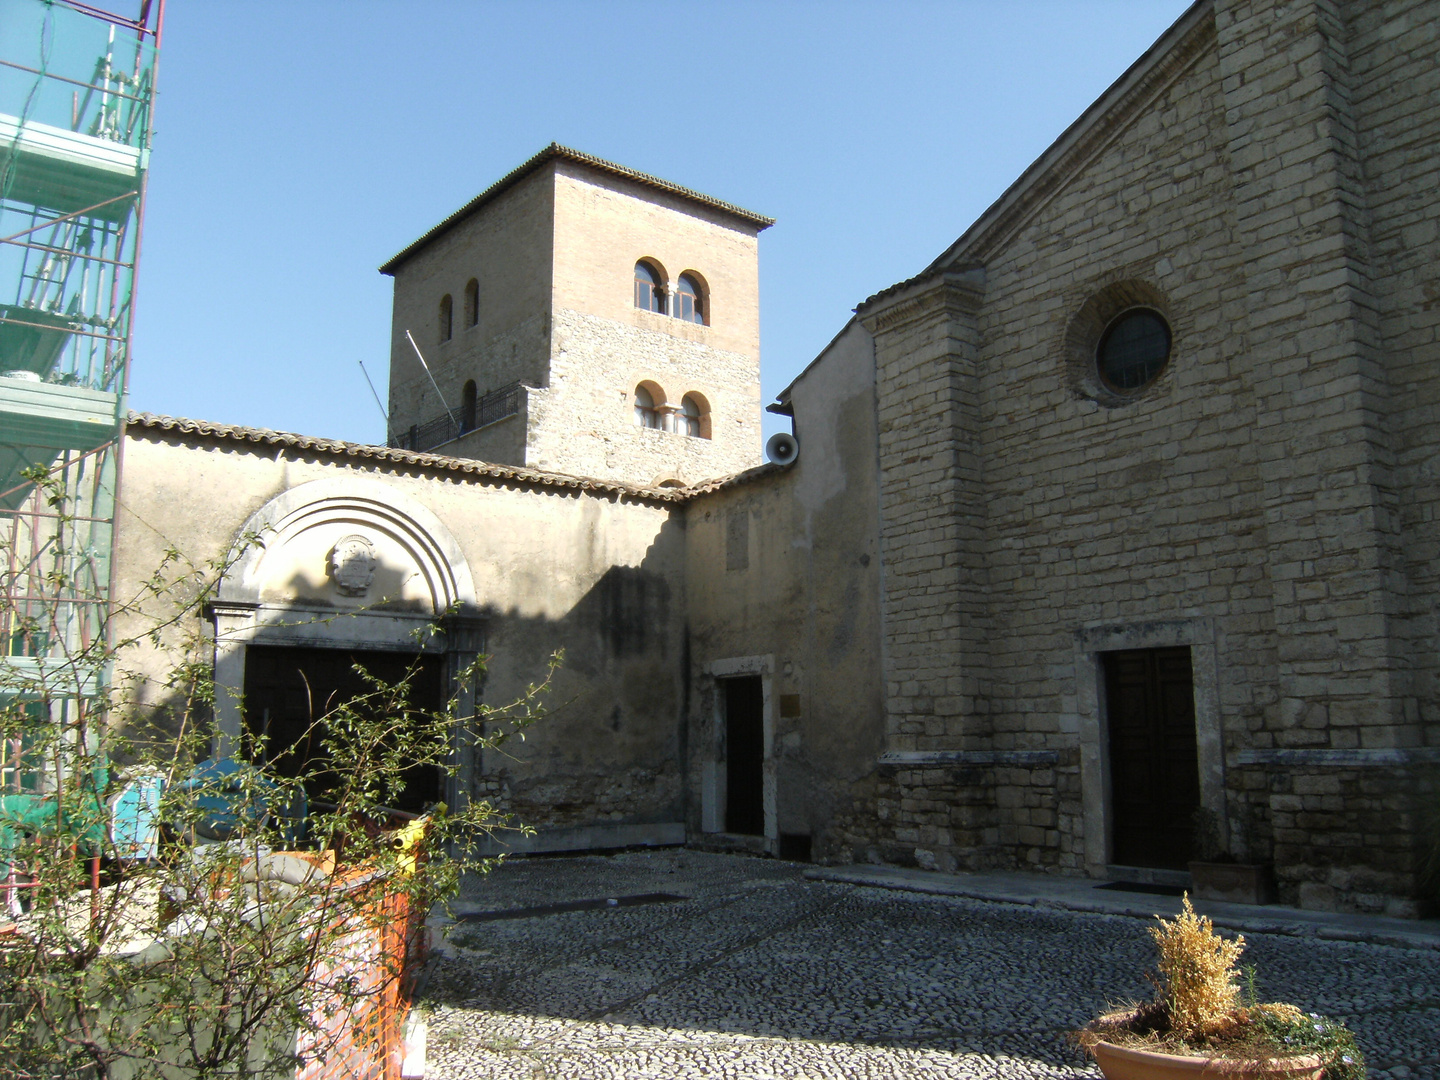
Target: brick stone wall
x=1391 y=48
x=565 y=801
x=932 y=516
x=507 y=250
x=584 y=421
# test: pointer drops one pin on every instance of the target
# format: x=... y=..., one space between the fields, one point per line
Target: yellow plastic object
x=412 y=835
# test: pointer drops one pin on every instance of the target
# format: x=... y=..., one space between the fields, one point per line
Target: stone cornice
x=1324 y=756
x=941 y=294
x=1000 y=758
x=1176 y=50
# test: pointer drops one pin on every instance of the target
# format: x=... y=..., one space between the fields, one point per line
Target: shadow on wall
x=611 y=750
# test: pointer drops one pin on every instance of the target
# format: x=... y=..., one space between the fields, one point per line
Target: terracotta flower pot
x=1124 y=1063
x=1234 y=883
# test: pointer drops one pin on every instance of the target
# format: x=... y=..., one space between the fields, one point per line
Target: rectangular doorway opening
x=1154 y=765
x=288 y=689
x=744 y=755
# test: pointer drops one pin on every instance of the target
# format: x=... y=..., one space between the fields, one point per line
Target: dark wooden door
x=1154 y=772
x=744 y=755
x=289 y=690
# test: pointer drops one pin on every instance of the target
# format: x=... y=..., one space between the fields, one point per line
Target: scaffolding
x=77 y=86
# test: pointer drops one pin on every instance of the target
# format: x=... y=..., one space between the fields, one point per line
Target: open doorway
x=286 y=688
x=1153 y=761
x=744 y=755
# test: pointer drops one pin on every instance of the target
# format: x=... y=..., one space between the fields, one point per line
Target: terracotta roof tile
x=506 y=474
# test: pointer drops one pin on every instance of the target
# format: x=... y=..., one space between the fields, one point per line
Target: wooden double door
x=289 y=690
x=1154 y=767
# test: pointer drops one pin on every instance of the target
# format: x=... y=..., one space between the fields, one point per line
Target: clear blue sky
x=298 y=145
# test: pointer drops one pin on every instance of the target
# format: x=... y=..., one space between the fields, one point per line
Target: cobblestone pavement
x=761 y=973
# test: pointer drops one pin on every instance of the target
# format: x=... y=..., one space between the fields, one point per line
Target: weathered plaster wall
x=785 y=567
x=597 y=575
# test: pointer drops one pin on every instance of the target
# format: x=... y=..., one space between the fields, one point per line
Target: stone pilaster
x=932 y=513
x=1322 y=411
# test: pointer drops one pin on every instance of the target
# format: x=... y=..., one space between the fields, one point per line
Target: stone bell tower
x=584 y=318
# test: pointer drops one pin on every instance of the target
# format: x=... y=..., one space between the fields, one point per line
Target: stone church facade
x=1122 y=508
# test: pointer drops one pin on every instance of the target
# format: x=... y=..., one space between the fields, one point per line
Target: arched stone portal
x=345 y=564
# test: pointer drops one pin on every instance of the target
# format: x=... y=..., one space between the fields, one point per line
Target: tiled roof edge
x=723 y=483
x=520 y=477
x=550 y=153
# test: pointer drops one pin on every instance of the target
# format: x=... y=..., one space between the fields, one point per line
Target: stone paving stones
x=762 y=973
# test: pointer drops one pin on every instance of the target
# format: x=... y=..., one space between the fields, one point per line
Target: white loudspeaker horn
x=782 y=448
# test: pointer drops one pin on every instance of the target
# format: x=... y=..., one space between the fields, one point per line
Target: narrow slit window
x=447 y=313
x=472 y=303
x=467 y=407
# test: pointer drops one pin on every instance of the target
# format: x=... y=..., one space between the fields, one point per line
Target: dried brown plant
x=1201 y=984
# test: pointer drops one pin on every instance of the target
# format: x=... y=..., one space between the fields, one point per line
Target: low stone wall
x=982 y=811
x=1347 y=838
x=554 y=802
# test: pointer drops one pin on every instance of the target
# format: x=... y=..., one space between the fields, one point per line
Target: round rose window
x=1133 y=350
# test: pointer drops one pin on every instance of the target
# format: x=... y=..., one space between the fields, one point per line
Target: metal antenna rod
x=432 y=380
x=378 y=404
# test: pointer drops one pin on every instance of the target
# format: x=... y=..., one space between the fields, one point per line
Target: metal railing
x=496 y=405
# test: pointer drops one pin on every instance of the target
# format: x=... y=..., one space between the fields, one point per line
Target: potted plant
x=1216 y=874
x=1198 y=1024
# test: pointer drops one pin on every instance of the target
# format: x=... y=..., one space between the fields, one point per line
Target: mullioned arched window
x=648 y=401
x=695 y=416
x=690 y=300
x=649 y=288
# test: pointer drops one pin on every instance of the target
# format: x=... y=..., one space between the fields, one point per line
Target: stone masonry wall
x=1088 y=514
x=1344 y=837
x=931 y=514
x=584 y=422
x=605 y=224
x=1323 y=445
x=972 y=817
x=1252 y=488
x=560 y=801
x=1392 y=49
